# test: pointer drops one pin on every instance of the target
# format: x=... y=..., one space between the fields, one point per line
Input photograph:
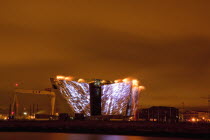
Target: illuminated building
x=195 y=116
x=99 y=97
x=76 y=94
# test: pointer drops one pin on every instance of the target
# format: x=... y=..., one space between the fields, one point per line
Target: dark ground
x=188 y=130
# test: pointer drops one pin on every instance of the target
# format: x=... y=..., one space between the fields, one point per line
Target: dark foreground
x=187 y=130
x=76 y=136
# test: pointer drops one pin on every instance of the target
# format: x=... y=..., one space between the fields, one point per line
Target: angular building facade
x=96 y=98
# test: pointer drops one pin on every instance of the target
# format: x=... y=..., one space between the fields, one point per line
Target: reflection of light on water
x=114 y=137
x=104 y=137
x=69 y=136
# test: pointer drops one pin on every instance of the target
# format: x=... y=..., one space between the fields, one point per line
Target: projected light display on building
x=76 y=94
x=99 y=98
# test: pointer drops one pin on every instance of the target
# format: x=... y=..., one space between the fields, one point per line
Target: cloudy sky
x=165 y=44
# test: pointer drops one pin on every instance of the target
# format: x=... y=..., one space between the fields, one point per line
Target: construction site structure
x=35 y=92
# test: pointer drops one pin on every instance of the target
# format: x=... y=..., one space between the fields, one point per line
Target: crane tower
x=35 y=92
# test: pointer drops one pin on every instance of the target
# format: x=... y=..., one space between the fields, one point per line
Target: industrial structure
x=99 y=97
x=14 y=109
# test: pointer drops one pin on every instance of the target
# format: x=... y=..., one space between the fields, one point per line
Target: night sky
x=165 y=44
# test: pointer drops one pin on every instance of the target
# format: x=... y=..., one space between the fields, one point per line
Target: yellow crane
x=36 y=92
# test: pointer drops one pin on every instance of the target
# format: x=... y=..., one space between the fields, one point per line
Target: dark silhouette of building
x=95 y=98
x=160 y=114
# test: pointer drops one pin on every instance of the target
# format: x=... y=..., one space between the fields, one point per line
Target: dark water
x=69 y=136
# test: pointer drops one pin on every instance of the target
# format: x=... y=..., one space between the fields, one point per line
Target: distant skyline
x=165 y=44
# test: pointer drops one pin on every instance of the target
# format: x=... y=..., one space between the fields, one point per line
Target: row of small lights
x=59 y=77
x=135 y=82
x=126 y=80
